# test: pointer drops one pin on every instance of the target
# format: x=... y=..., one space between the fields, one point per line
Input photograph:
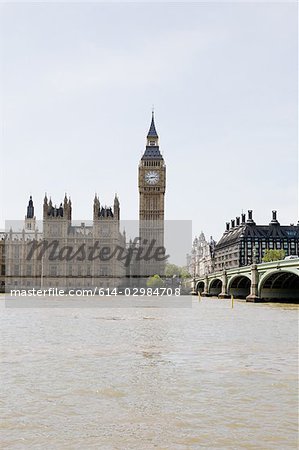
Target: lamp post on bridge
x=223 y=293
x=253 y=296
x=205 y=292
x=193 y=292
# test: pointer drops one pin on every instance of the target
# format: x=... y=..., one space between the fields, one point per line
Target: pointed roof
x=30 y=209
x=152 y=131
x=152 y=151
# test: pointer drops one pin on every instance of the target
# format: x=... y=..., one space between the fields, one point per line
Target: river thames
x=203 y=376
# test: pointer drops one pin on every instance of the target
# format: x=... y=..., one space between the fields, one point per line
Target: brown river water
x=203 y=376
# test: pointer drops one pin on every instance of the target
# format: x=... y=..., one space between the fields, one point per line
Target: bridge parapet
x=252 y=279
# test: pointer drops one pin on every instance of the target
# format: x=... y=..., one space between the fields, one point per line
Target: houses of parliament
x=65 y=255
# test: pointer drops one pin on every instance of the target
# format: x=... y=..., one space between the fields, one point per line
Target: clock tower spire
x=152 y=185
x=152 y=135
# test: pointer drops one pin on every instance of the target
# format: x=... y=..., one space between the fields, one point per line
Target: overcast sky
x=78 y=82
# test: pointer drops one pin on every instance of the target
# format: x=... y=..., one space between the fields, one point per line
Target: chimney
x=243 y=217
x=274 y=218
x=232 y=223
x=250 y=219
x=227 y=226
x=237 y=221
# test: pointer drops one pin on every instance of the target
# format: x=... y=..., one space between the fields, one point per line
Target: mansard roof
x=251 y=231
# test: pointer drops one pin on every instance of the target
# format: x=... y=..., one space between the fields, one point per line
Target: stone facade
x=64 y=255
x=200 y=261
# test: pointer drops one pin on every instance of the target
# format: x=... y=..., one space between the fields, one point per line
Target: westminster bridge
x=276 y=280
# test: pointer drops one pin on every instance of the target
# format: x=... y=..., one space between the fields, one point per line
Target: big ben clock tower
x=152 y=183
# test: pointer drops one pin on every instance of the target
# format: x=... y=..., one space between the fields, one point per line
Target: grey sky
x=78 y=83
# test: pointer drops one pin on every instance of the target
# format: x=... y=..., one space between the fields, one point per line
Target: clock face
x=151 y=177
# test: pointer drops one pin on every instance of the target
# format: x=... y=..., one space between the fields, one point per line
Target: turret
x=63 y=211
x=96 y=207
x=105 y=212
x=30 y=220
x=69 y=213
x=45 y=206
x=65 y=202
x=30 y=209
x=116 y=208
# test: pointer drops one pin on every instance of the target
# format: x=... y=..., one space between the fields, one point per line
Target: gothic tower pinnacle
x=30 y=220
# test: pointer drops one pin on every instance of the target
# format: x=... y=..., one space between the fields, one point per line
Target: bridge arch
x=239 y=285
x=215 y=287
x=282 y=284
x=199 y=287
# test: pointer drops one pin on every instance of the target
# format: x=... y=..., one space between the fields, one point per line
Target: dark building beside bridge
x=244 y=242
